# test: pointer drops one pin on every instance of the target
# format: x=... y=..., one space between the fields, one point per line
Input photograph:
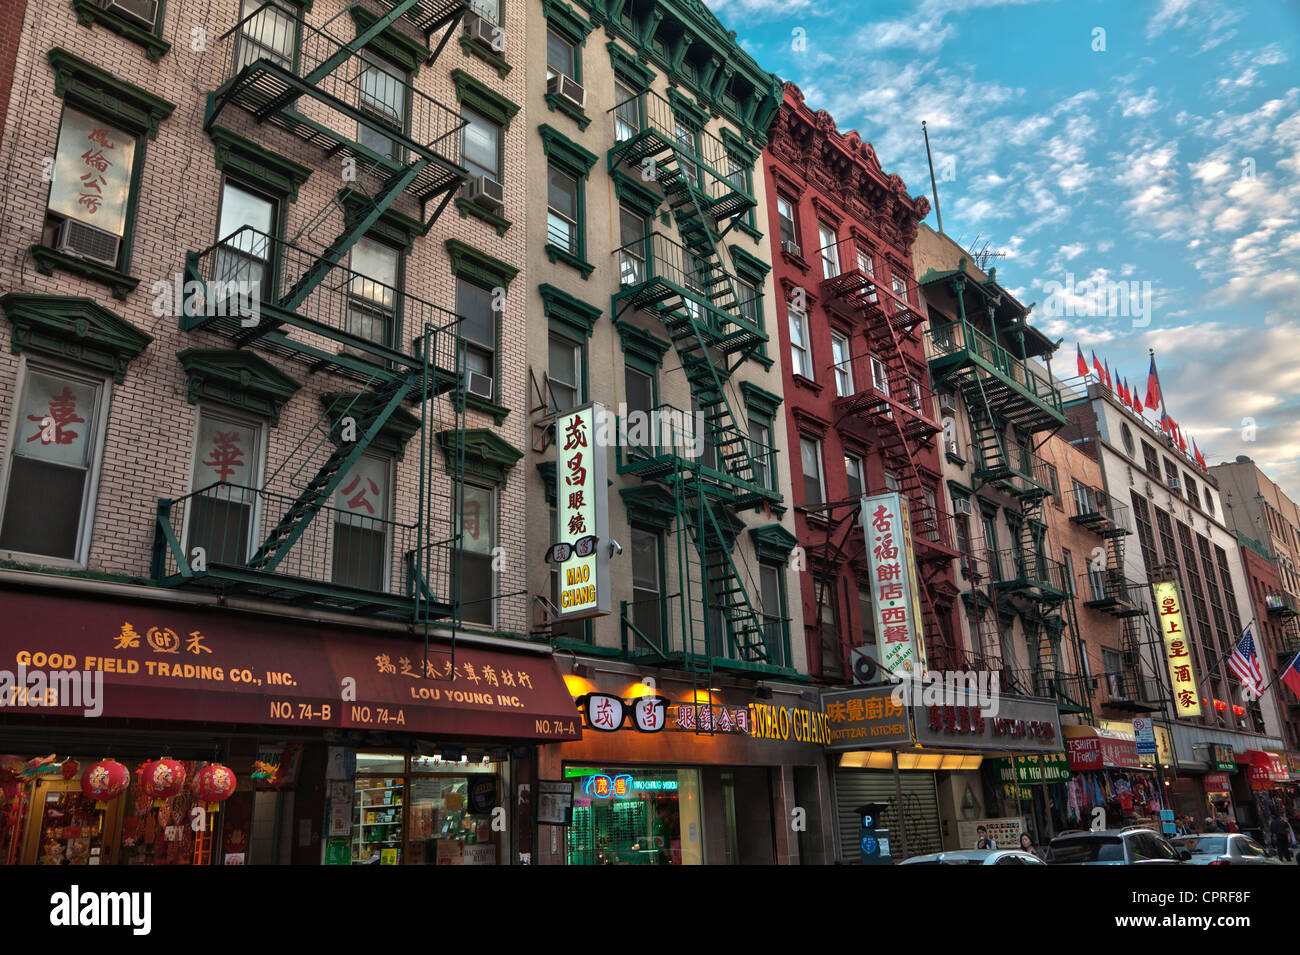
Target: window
x=879 y=376
x=361 y=525
x=814 y=486
x=1054 y=483
x=372 y=296
x=489 y=10
x=991 y=542
x=900 y=290
x=868 y=268
x=55 y=442
x=269 y=34
x=830 y=252
x=627 y=112
x=685 y=137
x=1189 y=489
x=1083 y=497
x=760 y=446
x=564 y=373
x=248 y=221
x=843 y=364
x=1152 y=461
x=633 y=233
x=226 y=473
x=640 y=389
x=383 y=98
x=929 y=515
x=785 y=216
x=562 y=210
x=800 y=354
x=709 y=452
x=961 y=525
x=1126 y=433
x=561 y=56
x=1171 y=473
x=747 y=303
x=891 y=481
x=477 y=530
x=648 y=607
x=832 y=661
x=1067 y=559
x=1209 y=501
x=772 y=595
x=867 y=616
x=857 y=479
x=481 y=145
x=478 y=328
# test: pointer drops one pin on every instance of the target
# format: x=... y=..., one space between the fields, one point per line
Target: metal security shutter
x=853 y=788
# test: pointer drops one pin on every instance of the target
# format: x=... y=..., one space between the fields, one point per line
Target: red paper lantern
x=70 y=768
x=213 y=784
x=104 y=781
x=162 y=779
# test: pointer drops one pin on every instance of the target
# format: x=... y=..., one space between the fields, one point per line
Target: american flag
x=1245 y=662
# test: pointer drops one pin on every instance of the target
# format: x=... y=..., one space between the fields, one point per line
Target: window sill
x=808 y=383
x=498 y=413
x=88 y=14
x=762 y=360
x=555 y=253
x=750 y=231
x=467 y=208
x=558 y=104
x=796 y=260
x=955 y=459
x=18 y=560
x=47 y=260
x=485 y=53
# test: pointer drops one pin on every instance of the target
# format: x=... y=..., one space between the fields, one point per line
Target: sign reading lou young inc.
x=894 y=590
x=582 y=511
x=864 y=718
x=1178 y=649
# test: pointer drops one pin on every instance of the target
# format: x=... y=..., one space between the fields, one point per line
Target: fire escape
x=308 y=306
x=901 y=407
x=689 y=287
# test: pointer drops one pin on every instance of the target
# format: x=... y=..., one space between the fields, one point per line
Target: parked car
x=976 y=857
x=1136 y=845
x=1225 y=849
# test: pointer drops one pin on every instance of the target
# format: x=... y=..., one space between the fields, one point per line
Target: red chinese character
x=100 y=137
x=893 y=591
x=226 y=454
x=577 y=473
x=881 y=520
x=603 y=715
x=96 y=159
x=471 y=522
x=63 y=410
x=577 y=524
x=896 y=615
x=1178 y=649
x=576 y=499
x=575 y=435
x=885 y=549
x=889 y=572
x=896 y=633
x=359 y=499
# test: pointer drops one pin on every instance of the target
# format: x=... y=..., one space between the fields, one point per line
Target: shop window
x=649 y=611
x=54 y=449
x=227 y=475
x=372 y=294
x=361 y=525
x=477 y=530
x=635 y=815
x=843 y=364
x=814 y=482
x=267 y=31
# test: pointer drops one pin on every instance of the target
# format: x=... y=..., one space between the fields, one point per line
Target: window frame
x=575 y=57
x=494 y=498
x=792 y=220
x=387 y=519
x=579 y=386
x=803 y=352
x=829 y=253
x=230 y=417
x=497 y=175
x=395 y=317
x=279 y=204
x=862 y=472
x=816 y=512
x=403 y=126
x=577 y=243
x=842 y=367
x=783 y=616
x=467 y=344
x=661 y=571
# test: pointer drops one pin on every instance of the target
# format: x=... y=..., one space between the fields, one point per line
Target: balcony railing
x=645 y=125
x=1281 y=605
x=959 y=343
x=1017 y=570
x=1131 y=692
x=322 y=89
x=1112 y=593
x=913 y=401
x=933 y=532
x=651 y=631
x=343 y=560
x=248 y=274
x=1022 y=472
x=1070 y=690
x=1093 y=508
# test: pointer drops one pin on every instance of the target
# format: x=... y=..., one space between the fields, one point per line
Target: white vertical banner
x=582 y=509
x=895 y=591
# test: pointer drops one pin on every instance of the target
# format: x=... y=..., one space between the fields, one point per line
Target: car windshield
x=1205 y=845
x=956 y=861
x=1094 y=849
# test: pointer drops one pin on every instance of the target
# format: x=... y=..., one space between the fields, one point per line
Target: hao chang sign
x=582 y=509
x=894 y=590
x=1178 y=649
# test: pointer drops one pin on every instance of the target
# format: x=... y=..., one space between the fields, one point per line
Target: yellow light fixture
x=577 y=685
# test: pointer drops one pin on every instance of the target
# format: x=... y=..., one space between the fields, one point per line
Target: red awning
x=1266 y=769
x=1092 y=748
x=173 y=663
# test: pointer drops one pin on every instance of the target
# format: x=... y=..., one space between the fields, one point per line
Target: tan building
x=1256 y=507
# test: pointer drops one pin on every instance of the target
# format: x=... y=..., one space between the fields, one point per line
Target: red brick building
x=860 y=414
x=1276 y=634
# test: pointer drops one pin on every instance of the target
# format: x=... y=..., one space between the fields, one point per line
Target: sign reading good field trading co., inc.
x=1178 y=650
x=894 y=591
x=582 y=508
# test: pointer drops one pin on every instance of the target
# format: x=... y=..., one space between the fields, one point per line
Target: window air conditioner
x=792 y=247
x=952 y=448
x=1175 y=484
x=480 y=385
x=947 y=404
x=568 y=89
x=488 y=193
x=87 y=242
x=484 y=31
x=143 y=12
x=961 y=505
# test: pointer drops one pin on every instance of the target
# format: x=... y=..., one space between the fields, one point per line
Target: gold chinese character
x=128 y=639
x=195 y=644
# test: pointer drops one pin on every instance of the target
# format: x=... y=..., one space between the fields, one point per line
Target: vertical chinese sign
x=92 y=175
x=1178 y=649
x=894 y=590
x=582 y=510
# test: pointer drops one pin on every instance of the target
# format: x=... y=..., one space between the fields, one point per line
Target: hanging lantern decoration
x=104 y=782
x=214 y=784
x=162 y=779
x=70 y=768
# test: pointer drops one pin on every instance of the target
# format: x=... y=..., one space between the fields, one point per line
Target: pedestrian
x=1281 y=834
x=1027 y=845
x=984 y=840
x=1212 y=826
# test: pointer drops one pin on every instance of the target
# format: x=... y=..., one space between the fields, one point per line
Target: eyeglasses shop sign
x=582 y=511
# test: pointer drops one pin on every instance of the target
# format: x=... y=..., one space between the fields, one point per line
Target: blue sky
x=1171 y=157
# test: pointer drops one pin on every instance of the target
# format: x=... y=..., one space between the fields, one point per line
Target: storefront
x=738 y=777
x=342 y=745
x=1108 y=775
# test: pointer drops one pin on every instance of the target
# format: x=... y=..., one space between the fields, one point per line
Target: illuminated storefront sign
x=1178 y=651
x=602 y=786
x=894 y=591
x=582 y=509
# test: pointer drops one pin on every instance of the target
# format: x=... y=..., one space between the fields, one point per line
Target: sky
x=1148 y=147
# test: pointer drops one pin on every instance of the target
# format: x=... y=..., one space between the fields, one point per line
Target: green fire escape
x=294 y=537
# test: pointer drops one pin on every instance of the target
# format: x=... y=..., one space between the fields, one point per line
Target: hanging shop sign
x=865 y=718
x=1222 y=757
x=582 y=509
x=1020 y=724
x=167 y=663
x=894 y=589
x=1094 y=747
x=1178 y=651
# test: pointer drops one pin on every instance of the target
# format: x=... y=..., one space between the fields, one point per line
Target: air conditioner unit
x=567 y=88
x=87 y=242
x=480 y=385
x=143 y=12
x=792 y=247
x=952 y=448
x=947 y=404
x=961 y=505
x=487 y=192
x=485 y=31
x=1174 y=484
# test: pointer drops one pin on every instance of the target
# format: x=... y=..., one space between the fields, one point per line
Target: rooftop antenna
x=934 y=187
x=982 y=255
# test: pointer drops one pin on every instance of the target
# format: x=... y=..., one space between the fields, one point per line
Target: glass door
x=64 y=828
